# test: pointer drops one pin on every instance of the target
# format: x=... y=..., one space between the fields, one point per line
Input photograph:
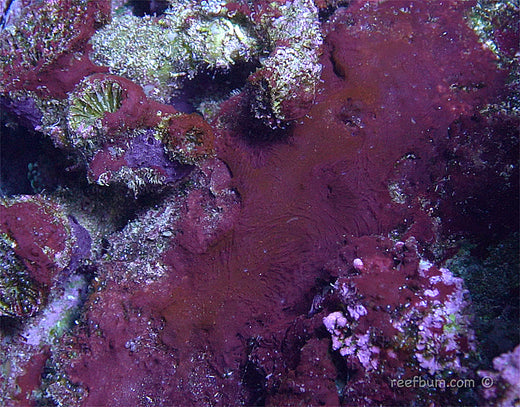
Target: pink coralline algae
x=423 y=326
x=436 y=318
x=261 y=203
x=506 y=375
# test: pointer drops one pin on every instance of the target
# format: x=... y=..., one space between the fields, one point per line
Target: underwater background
x=259 y=203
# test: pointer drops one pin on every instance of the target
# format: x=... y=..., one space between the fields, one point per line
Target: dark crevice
x=254 y=378
x=344 y=374
x=29 y=162
x=212 y=84
x=337 y=68
x=325 y=13
x=141 y=8
x=255 y=120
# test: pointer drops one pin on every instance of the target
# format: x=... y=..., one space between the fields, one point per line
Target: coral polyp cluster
x=88 y=105
x=19 y=297
x=188 y=139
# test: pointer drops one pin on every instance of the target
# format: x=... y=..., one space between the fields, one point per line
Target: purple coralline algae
x=24 y=109
x=139 y=163
x=145 y=151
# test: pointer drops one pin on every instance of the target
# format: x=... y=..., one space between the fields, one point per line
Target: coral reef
x=159 y=53
x=340 y=227
x=18 y=296
x=124 y=137
x=190 y=37
x=40 y=233
x=41 y=248
x=23 y=362
x=496 y=24
x=40 y=243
